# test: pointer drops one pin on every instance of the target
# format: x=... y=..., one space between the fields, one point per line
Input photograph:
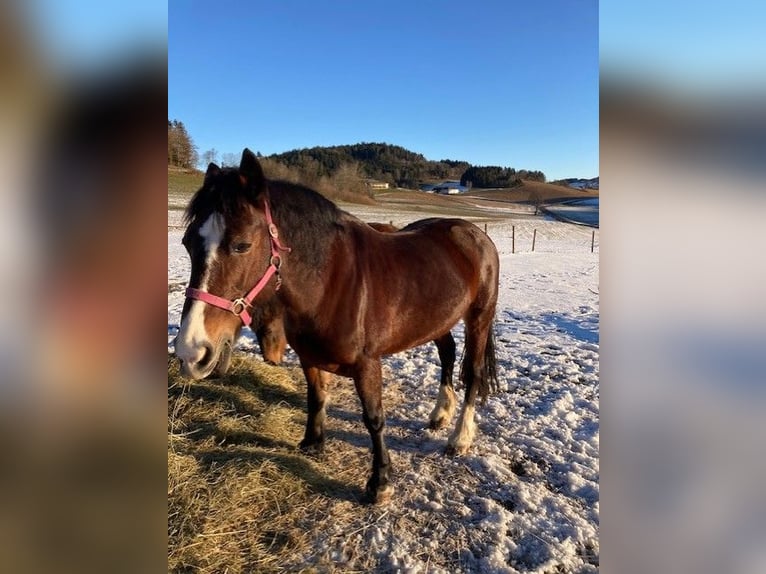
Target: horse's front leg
x=271 y=339
x=317 y=383
x=369 y=388
x=444 y=409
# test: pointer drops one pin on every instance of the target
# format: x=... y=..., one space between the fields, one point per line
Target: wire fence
x=537 y=236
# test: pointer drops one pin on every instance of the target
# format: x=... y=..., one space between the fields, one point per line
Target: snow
x=526 y=496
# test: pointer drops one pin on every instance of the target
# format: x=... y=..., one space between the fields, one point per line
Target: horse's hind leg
x=317 y=383
x=445 y=405
x=477 y=343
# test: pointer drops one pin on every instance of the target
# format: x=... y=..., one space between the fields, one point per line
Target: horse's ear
x=212 y=171
x=251 y=170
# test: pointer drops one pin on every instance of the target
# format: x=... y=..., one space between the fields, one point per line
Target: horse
x=272 y=340
x=270 y=333
x=350 y=295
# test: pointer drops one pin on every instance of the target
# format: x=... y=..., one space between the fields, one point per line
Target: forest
x=349 y=168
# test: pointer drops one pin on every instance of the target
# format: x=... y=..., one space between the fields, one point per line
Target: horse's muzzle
x=224 y=358
x=214 y=361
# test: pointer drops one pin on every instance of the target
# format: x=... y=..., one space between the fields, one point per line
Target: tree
x=496 y=176
x=230 y=159
x=349 y=178
x=182 y=152
x=536 y=200
x=210 y=156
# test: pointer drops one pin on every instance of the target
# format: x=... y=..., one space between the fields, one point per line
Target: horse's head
x=230 y=247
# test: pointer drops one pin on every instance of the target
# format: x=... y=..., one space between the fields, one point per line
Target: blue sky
x=89 y=33
x=700 y=48
x=492 y=82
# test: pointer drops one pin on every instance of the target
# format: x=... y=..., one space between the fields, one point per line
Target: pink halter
x=240 y=306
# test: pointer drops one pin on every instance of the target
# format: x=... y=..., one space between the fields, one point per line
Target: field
x=182 y=183
x=525 y=498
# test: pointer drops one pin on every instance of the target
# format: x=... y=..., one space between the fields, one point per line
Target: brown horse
x=273 y=341
x=350 y=294
x=271 y=332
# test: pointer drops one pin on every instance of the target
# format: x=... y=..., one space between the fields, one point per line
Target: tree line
x=393 y=164
x=496 y=176
x=400 y=167
x=351 y=166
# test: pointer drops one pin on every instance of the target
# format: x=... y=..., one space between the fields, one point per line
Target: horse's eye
x=241 y=247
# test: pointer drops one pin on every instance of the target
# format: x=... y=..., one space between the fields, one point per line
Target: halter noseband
x=240 y=306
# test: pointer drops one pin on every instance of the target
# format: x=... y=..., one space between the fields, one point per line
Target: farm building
x=446 y=187
x=375 y=184
x=450 y=188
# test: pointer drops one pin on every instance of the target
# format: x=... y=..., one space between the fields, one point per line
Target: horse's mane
x=217 y=195
x=305 y=218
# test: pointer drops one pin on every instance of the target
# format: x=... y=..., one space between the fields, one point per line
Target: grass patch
x=241 y=498
x=184 y=182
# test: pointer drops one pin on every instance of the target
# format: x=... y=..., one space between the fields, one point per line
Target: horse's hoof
x=437 y=424
x=315 y=449
x=455 y=450
x=380 y=495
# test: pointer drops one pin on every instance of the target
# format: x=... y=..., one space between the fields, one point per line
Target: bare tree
x=348 y=178
x=210 y=156
x=230 y=159
x=536 y=199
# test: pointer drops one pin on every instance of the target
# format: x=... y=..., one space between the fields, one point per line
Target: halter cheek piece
x=240 y=305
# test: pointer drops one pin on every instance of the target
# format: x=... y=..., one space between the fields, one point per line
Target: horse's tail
x=487 y=382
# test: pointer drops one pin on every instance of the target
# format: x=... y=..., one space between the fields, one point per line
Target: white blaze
x=192 y=335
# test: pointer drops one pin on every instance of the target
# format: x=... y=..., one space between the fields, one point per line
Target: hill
x=535 y=192
x=339 y=173
x=385 y=162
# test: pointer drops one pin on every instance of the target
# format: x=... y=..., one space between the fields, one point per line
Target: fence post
x=485 y=229
x=391 y=223
x=592 y=240
x=534 y=236
x=513 y=239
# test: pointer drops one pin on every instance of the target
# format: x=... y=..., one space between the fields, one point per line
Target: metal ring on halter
x=276 y=261
x=241 y=303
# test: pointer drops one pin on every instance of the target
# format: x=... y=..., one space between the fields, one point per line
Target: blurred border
x=682 y=360
x=83 y=92
x=683 y=160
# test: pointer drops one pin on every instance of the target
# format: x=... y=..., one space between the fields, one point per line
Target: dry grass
x=240 y=497
x=182 y=184
x=534 y=191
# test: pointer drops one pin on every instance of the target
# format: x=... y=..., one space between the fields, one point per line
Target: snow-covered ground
x=526 y=497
